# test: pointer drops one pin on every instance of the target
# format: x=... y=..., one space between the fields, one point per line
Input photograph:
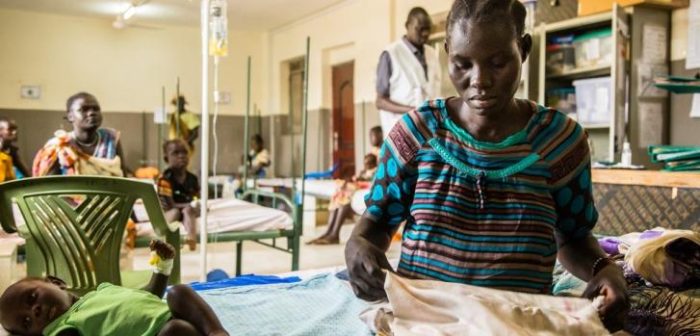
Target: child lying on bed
x=43 y=306
x=177 y=188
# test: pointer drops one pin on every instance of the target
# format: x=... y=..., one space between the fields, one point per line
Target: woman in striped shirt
x=492 y=189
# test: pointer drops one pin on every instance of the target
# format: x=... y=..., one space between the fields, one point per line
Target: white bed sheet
x=228 y=215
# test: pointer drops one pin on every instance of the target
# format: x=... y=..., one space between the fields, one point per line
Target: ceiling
x=254 y=15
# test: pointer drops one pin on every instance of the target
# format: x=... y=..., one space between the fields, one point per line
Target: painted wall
x=125 y=69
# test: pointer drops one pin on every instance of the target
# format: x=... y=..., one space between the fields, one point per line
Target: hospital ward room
x=349 y=167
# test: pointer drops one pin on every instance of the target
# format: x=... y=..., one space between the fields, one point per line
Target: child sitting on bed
x=178 y=188
x=43 y=306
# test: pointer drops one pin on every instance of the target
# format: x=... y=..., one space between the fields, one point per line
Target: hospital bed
x=246 y=219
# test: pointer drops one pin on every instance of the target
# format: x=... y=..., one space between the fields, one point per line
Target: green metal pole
x=245 y=132
x=159 y=143
x=305 y=122
x=177 y=109
x=144 y=136
x=291 y=135
x=258 y=120
x=364 y=129
x=300 y=204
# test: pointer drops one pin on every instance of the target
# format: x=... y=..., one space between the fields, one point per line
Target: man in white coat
x=408 y=72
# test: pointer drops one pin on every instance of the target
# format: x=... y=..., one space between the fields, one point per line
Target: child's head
x=257 y=143
x=177 y=153
x=8 y=130
x=370 y=161
x=83 y=111
x=376 y=137
x=486 y=46
x=29 y=305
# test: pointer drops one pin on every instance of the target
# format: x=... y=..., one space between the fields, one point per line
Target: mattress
x=317 y=188
x=228 y=215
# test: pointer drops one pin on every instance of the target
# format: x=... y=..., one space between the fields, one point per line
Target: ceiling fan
x=122 y=20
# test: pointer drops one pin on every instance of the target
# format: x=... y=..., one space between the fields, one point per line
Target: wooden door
x=344 y=119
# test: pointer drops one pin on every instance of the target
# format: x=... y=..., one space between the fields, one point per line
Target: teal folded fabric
x=662 y=153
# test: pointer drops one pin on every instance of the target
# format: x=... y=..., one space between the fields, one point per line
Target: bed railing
x=293 y=236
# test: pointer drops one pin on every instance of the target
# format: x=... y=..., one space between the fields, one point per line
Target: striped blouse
x=478 y=212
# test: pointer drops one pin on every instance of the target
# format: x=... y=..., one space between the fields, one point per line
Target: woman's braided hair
x=487 y=10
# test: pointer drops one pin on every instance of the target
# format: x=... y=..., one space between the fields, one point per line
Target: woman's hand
x=610 y=283
x=367 y=265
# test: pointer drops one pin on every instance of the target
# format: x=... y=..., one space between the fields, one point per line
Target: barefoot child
x=43 y=306
x=178 y=188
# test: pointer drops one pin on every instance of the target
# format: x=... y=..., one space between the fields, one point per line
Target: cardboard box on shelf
x=588 y=7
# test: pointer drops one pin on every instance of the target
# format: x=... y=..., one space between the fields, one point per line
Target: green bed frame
x=294 y=204
x=261 y=237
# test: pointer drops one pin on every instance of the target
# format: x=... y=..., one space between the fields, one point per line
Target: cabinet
x=592 y=47
x=637 y=39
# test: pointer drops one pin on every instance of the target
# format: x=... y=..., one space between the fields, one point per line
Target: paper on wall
x=654 y=44
x=695 y=108
x=692 y=60
x=650 y=121
x=159 y=115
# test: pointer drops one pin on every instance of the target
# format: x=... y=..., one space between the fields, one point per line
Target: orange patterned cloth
x=104 y=161
x=131 y=235
x=7 y=171
x=58 y=148
x=346 y=189
x=147 y=173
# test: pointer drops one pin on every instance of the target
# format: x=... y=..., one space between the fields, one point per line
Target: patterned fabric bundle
x=653 y=259
x=427 y=307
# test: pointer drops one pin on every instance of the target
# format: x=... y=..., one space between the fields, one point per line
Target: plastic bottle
x=626 y=159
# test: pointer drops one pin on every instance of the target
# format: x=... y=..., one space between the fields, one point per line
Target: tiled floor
x=260 y=259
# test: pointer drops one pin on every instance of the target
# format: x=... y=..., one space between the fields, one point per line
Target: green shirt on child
x=113 y=310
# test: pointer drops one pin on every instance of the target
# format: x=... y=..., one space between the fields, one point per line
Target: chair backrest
x=74 y=225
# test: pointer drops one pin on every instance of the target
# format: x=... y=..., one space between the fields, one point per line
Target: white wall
x=125 y=69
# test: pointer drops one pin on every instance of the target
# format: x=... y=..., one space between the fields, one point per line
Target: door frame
x=336 y=117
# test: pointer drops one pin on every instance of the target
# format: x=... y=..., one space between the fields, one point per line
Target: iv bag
x=218 y=28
